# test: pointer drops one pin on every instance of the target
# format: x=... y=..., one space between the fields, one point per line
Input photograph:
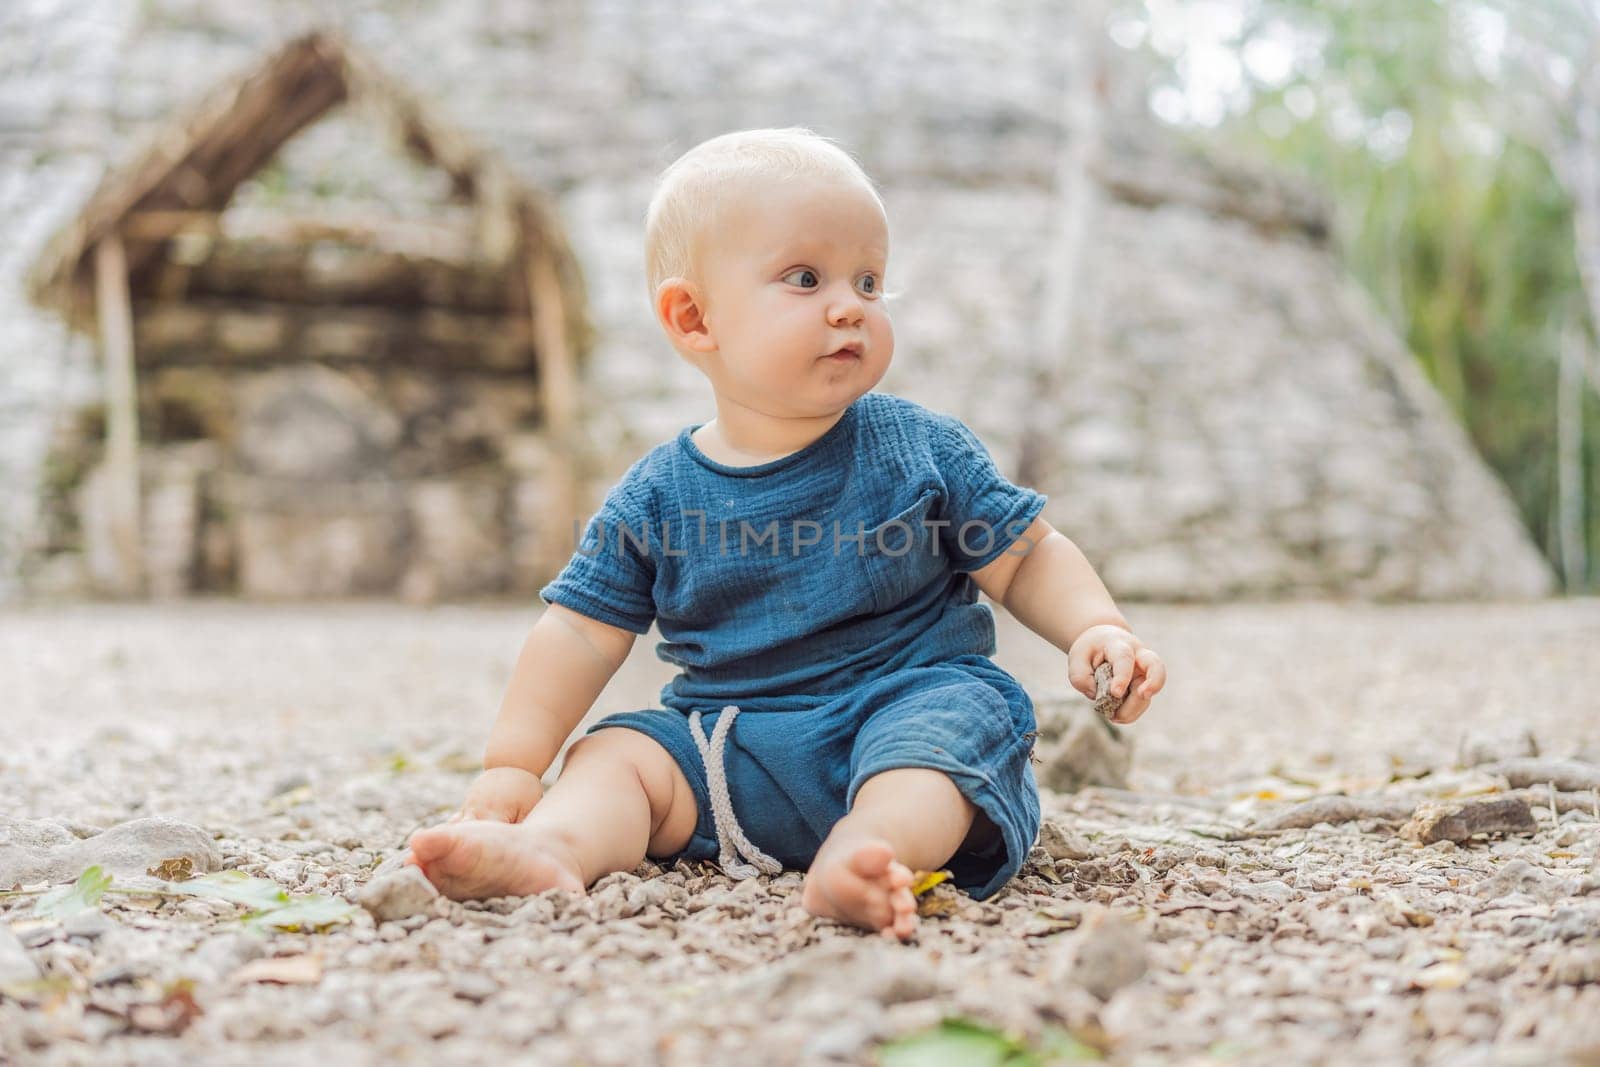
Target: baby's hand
x=501 y=794
x=1130 y=661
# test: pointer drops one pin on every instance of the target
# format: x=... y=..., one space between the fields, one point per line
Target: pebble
x=288 y=873
x=399 y=895
x=473 y=987
x=1063 y=844
x=88 y=925
x=1106 y=953
x=15 y=964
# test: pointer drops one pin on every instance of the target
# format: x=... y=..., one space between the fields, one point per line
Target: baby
x=813 y=557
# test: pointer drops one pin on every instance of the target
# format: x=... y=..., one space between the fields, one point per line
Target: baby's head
x=765 y=253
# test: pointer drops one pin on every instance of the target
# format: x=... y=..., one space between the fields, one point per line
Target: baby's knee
x=673 y=812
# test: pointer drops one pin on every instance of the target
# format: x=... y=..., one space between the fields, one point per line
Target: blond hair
x=689 y=191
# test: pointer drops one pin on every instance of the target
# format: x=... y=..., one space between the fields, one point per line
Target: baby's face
x=792 y=286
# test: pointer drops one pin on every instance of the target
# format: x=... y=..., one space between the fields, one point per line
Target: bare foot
x=861 y=883
x=474 y=860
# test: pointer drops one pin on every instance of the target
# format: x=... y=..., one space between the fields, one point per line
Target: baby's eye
x=869 y=284
x=806 y=273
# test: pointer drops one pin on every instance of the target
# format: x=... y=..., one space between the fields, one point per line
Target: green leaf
x=235 y=887
x=271 y=907
x=399 y=763
x=69 y=900
x=1059 y=1046
x=957 y=1043
x=308 y=914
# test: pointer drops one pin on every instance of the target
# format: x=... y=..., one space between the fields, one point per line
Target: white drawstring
x=730 y=838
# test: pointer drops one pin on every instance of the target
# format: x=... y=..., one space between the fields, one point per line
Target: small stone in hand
x=1105 y=705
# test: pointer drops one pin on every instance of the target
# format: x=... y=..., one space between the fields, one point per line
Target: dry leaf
x=172 y=1014
x=173 y=870
x=922 y=881
x=284 y=970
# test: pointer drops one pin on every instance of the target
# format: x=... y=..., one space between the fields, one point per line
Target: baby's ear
x=680 y=311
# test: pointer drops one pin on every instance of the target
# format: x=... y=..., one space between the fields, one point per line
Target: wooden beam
x=122 y=413
x=557 y=368
x=161 y=225
x=558 y=386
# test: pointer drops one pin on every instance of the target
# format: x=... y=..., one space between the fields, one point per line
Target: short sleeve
x=612 y=571
x=985 y=513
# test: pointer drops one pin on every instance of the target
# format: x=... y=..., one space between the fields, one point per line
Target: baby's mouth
x=848 y=352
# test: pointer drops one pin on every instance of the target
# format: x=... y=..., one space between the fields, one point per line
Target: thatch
x=192 y=166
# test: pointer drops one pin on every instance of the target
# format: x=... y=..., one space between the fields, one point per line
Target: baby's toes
x=872 y=861
x=903 y=910
x=435 y=847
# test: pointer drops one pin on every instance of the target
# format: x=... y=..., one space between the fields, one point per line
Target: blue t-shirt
x=782 y=584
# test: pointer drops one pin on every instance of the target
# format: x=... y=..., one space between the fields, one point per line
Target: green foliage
x=961 y=1043
x=236 y=887
x=1446 y=211
x=307 y=914
x=83 y=895
x=271 y=907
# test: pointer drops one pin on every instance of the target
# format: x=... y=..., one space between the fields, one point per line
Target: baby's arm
x=566 y=661
x=1053 y=590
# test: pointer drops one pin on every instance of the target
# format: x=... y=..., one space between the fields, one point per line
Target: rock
x=89 y=925
x=1077 y=748
x=16 y=966
x=391 y=864
x=400 y=895
x=134 y=847
x=286 y=872
x=1567 y=775
x=77 y=827
x=1063 y=844
x=1579 y=966
x=856 y=970
x=22 y=844
x=1488 y=746
x=41 y=851
x=474 y=987
x=224 y=954
x=1458 y=822
x=839 y=1041
x=1517 y=876
x=1106 y=953
x=289 y=783
x=366 y=794
x=1337 y=809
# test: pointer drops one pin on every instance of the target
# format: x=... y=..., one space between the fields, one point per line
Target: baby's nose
x=848 y=309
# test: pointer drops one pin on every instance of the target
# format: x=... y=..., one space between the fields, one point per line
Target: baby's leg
x=910 y=818
x=620 y=796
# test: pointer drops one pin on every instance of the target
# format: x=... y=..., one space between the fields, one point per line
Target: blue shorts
x=793 y=774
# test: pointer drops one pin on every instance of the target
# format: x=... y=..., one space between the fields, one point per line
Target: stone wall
x=1230 y=422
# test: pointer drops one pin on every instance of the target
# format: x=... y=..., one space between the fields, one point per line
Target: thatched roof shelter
x=191 y=168
x=121 y=254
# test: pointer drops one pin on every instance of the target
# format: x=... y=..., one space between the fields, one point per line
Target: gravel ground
x=1197 y=916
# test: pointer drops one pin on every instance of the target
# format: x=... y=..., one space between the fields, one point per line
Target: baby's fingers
x=1155 y=673
x=1080 y=669
x=1140 y=693
x=1122 y=661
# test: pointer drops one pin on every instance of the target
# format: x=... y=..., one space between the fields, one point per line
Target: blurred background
x=1273 y=298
